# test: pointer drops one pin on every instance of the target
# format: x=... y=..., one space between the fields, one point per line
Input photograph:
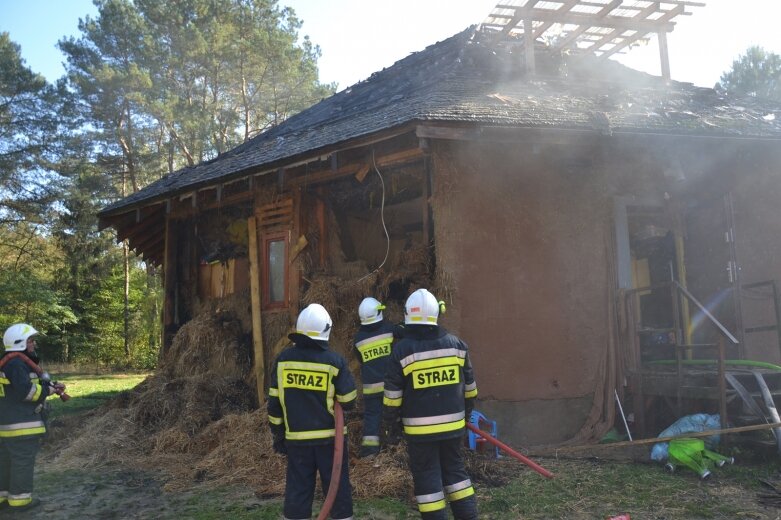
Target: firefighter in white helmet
x=305 y=380
x=430 y=390
x=22 y=394
x=373 y=343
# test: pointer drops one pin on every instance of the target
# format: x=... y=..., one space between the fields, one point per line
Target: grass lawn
x=88 y=391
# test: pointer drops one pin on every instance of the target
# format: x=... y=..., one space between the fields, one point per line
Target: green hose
x=736 y=362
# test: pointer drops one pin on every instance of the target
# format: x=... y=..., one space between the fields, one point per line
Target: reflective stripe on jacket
x=429 y=378
x=20 y=394
x=305 y=381
x=373 y=345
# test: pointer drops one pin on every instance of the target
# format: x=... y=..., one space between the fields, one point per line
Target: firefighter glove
x=279 y=444
x=469 y=405
x=390 y=433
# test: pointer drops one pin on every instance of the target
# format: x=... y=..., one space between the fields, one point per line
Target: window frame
x=268 y=238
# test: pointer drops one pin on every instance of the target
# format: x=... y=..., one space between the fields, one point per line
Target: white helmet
x=15 y=337
x=370 y=311
x=422 y=308
x=314 y=322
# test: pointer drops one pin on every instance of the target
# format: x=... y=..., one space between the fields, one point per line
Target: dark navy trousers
x=303 y=464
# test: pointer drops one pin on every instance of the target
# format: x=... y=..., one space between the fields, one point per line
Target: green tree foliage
x=171 y=84
x=150 y=87
x=29 y=125
x=101 y=335
x=27 y=264
x=757 y=73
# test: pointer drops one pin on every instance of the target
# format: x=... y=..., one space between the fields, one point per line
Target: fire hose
x=43 y=376
x=336 y=469
x=502 y=446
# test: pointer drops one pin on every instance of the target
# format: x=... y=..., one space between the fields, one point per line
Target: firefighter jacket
x=428 y=381
x=305 y=380
x=373 y=346
x=21 y=394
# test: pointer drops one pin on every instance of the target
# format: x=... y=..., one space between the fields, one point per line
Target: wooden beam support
x=591 y=20
x=583 y=28
x=144 y=227
x=147 y=243
x=295 y=267
x=301 y=243
x=170 y=284
x=411 y=154
x=257 y=323
x=517 y=17
x=361 y=174
x=663 y=55
x=322 y=228
x=666 y=17
x=565 y=7
x=528 y=43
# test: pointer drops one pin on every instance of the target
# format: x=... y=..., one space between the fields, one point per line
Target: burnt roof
x=470 y=78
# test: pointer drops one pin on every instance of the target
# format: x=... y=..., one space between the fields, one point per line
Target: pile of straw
x=197 y=418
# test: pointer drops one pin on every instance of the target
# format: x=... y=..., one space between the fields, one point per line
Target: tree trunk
x=126 y=258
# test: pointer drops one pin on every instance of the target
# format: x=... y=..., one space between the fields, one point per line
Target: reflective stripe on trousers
x=439 y=476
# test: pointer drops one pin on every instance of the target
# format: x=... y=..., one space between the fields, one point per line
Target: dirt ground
x=114 y=492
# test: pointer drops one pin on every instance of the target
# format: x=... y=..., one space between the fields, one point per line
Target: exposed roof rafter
x=602 y=27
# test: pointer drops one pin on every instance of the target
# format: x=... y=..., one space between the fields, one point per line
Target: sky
x=359 y=37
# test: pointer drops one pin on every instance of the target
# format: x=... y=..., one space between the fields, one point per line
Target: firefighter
x=373 y=343
x=305 y=380
x=429 y=393
x=22 y=396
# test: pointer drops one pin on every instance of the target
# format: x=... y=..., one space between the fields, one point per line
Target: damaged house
x=595 y=231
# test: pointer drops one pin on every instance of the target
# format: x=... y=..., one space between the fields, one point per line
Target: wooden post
x=426 y=197
x=321 y=227
x=170 y=293
x=257 y=325
x=294 y=278
x=722 y=385
x=663 y=54
x=528 y=42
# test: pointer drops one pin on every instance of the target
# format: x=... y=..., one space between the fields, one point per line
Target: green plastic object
x=693 y=454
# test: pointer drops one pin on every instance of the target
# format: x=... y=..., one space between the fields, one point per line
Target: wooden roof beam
x=593 y=20
x=644 y=13
x=565 y=7
x=403 y=156
x=583 y=28
x=140 y=229
x=517 y=17
x=667 y=16
x=130 y=217
x=144 y=245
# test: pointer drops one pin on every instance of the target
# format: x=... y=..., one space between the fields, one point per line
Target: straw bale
x=236 y=306
x=394 y=311
x=232 y=450
x=172 y=440
x=276 y=327
x=323 y=289
x=189 y=403
x=208 y=343
x=386 y=475
x=106 y=437
x=415 y=260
